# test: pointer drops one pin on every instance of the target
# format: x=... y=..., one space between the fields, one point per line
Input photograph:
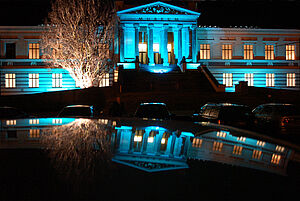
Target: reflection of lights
x=242 y=139
x=163 y=140
x=280 y=148
x=56 y=121
x=256 y=154
x=260 y=143
x=34 y=121
x=137 y=138
x=217 y=146
x=221 y=134
x=275 y=159
x=11 y=122
x=34 y=133
x=237 y=150
x=150 y=139
x=197 y=142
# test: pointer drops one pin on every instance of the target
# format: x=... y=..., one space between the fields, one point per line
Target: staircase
x=143 y=80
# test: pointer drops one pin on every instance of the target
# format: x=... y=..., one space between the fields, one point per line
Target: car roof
x=152 y=104
x=72 y=106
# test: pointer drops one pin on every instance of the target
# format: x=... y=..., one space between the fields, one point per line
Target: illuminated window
x=276 y=159
x=290 y=52
x=248 y=51
x=270 y=79
x=290 y=80
x=105 y=81
x=10 y=80
x=56 y=79
x=142 y=47
x=34 y=50
x=33 y=80
x=260 y=143
x=197 y=142
x=34 y=121
x=256 y=154
x=249 y=78
x=169 y=47
x=205 y=51
x=155 y=47
x=116 y=75
x=57 y=121
x=34 y=133
x=217 y=146
x=227 y=51
x=227 y=79
x=269 y=52
x=11 y=122
x=237 y=150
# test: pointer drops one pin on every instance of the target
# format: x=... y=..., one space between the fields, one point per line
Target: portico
x=157 y=34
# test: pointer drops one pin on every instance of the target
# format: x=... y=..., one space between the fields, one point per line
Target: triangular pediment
x=159 y=8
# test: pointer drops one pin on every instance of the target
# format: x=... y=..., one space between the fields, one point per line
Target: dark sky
x=222 y=13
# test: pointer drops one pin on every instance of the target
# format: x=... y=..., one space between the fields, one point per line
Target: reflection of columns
x=179 y=43
x=150 y=45
x=194 y=47
x=136 y=39
x=121 y=44
x=164 y=52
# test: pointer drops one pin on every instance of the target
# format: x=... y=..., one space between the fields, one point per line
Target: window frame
x=227 y=51
x=56 y=80
x=34 y=80
x=204 y=51
x=34 y=51
x=10 y=80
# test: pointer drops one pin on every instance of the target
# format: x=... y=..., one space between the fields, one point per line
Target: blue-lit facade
x=159 y=37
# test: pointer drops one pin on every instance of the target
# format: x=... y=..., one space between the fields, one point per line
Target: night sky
x=221 y=13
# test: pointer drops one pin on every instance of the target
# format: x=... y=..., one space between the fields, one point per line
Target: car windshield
x=76 y=111
x=152 y=111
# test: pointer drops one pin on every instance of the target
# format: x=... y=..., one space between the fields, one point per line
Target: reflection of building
x=159 y=38
x=221 y=146
x=150 y=148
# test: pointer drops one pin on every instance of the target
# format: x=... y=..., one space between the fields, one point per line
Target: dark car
x=153 y=111
x=85 y=111
x=225 y=113
x=11 y=112
x=277 y=116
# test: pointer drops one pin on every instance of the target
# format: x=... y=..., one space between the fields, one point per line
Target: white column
x=179 y=43
x=150 y=45
x=194 y=46
x=129 y=43
x=136 y=40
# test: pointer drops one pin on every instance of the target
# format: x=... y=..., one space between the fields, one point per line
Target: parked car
x=85 y=111
x=277 y=116
x=225 y=113
x=153 y=111
x=11 y=112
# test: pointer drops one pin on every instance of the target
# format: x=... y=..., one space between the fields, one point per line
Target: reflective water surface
x=87 y=148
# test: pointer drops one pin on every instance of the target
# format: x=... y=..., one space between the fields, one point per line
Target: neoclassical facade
x=163 y=38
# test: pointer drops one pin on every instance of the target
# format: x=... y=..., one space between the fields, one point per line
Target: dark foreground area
x=30 y=174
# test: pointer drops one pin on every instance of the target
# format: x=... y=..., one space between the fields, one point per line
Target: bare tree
x=79 y=36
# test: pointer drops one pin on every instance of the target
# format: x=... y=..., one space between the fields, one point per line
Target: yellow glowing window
x=10 y=80
x=34 y=121
x=217 y=146
x=248 y=51
x=242 y=139
x=249 y=78
x=150 y=139
x=270 y=79
x=227 y=51
x=33 y=80
x=116 y=75
x=169 y=47
x=290 y=80
x=205 y=51
x=269 y=52
x=142 y=47
x=34 y=51
x=34 y=133
x=105 y=80
x=275 y=159
x=227 y=79
x=290 y=52
x=137 y=138
x=260 y=143
x=280 y=148
x=56 y=79
x=11 y=122
x=155 y=47
x=221 y=134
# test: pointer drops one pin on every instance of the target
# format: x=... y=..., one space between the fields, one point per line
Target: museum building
x=162 y=38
